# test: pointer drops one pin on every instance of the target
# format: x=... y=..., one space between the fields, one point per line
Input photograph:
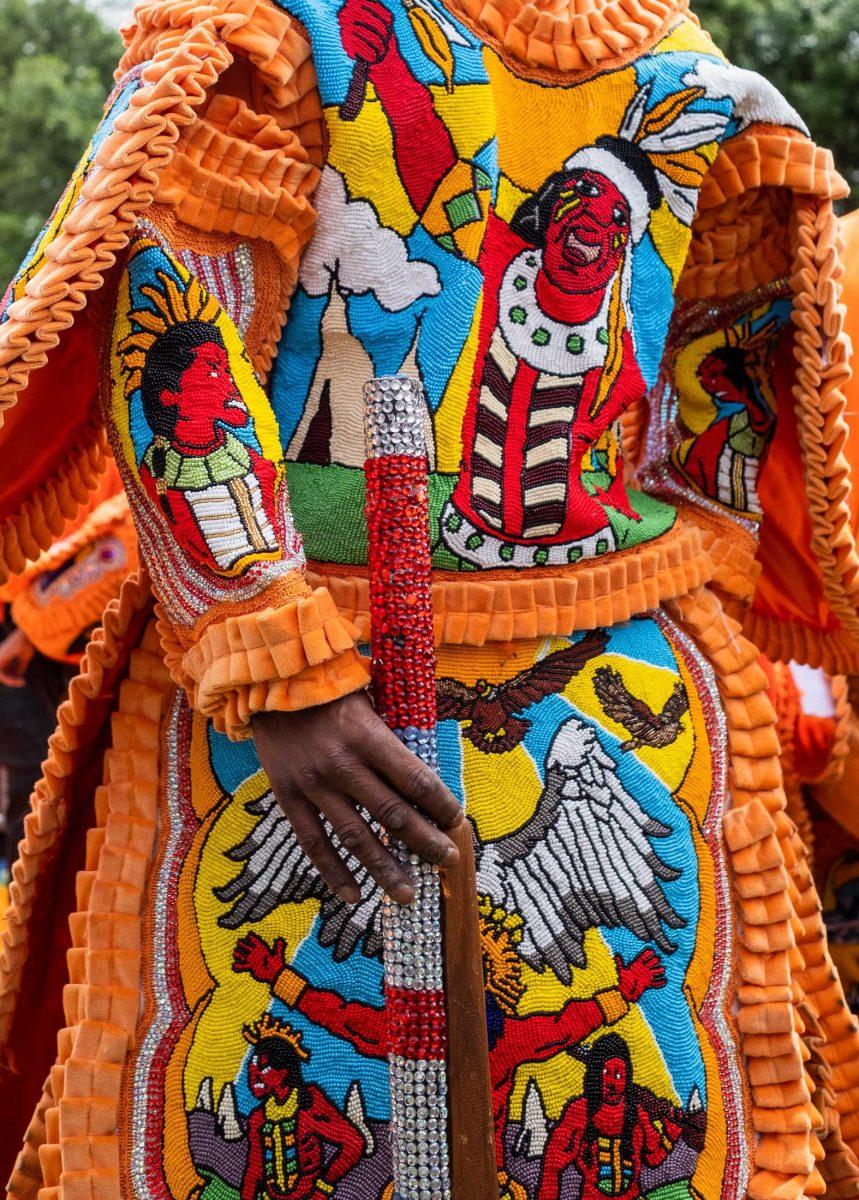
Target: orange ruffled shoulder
x=766 y=213
x=163 y=124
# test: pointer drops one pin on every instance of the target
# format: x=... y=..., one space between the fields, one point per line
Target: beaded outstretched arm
x=199 y=451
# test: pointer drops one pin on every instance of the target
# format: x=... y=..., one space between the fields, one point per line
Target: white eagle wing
x=274 y=870
x=584 y=859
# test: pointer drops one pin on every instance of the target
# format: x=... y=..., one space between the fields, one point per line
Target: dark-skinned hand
x=334 y=758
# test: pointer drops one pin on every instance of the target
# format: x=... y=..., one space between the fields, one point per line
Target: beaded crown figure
x=500 y=934
x=272 y=1027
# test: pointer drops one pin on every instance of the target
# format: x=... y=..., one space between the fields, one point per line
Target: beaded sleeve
x=180 y=231
x=199 y=451
x=747 y=422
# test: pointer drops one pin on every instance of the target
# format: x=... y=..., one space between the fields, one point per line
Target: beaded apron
x=579 y=805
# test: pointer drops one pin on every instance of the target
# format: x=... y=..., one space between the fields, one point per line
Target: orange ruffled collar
x=569 y=35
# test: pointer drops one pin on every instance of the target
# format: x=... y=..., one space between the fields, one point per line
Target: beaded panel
x=593 y=771
x=714 y=407
x=514 y=243
x=193 y=431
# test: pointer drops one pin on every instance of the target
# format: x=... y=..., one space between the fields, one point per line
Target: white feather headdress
x=656 y=154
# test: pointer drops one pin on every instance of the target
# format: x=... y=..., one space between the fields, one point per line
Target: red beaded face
x=588 y=233
x=265 y=1079
x=614 y=1081
x=207 y=394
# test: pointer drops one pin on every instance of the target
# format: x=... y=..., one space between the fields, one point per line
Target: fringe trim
x=299 y=654
x=784 y=964
x=502 y=609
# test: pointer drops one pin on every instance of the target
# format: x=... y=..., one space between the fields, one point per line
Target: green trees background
x=57 y=59
x=56 y=66
x=810 y=50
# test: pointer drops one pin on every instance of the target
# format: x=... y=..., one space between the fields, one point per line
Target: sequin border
x=165 y=1013
x=714 y=1010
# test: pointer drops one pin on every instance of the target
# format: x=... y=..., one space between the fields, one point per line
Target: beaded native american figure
x=611 y=261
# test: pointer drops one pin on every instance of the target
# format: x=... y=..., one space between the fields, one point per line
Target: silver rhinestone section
x=394 y=414
x=412 y=934
x=161 y=956
x=420 y=1162
x=413 y=959
x=422 y=742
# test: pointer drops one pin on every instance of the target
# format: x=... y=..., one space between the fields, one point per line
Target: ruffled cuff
x=275 y=659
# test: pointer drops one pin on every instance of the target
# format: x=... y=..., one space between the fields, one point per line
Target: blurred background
x=57 y=59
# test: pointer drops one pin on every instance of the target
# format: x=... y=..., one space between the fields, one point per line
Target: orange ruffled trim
x=269 y=660
x=48 y=813
x=53 y=624
x=71 y=1147
x=822 y=352
x=739 y=236
x=723 y=257
x=503 y=609
x=800 y=1041
x=573 y=35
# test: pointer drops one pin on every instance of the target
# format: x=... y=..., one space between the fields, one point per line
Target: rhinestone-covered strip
x=404 y=685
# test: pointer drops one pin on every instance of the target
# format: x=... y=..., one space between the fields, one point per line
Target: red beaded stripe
x=416 y=1024
x=401 y=617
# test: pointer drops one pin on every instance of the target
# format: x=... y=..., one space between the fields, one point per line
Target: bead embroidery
x=196 y=439
x=270 y=928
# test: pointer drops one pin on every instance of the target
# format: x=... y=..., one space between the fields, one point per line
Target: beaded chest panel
x=515 y=244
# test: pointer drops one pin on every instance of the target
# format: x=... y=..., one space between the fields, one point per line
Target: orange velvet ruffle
x=468 y=611
x=573 y=35
x=766 y=212
x=275 y=658
x=71 y=1145
x=800 y=1041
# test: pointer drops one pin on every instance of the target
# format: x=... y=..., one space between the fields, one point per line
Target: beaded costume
x=612 y=261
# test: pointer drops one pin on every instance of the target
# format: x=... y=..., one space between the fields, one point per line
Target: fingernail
x=449 y=857
x=403 y=894
x=349 y=893
x=458 y=819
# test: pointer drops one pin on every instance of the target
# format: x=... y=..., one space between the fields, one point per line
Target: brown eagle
x=647 y=727
x=490 y=709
